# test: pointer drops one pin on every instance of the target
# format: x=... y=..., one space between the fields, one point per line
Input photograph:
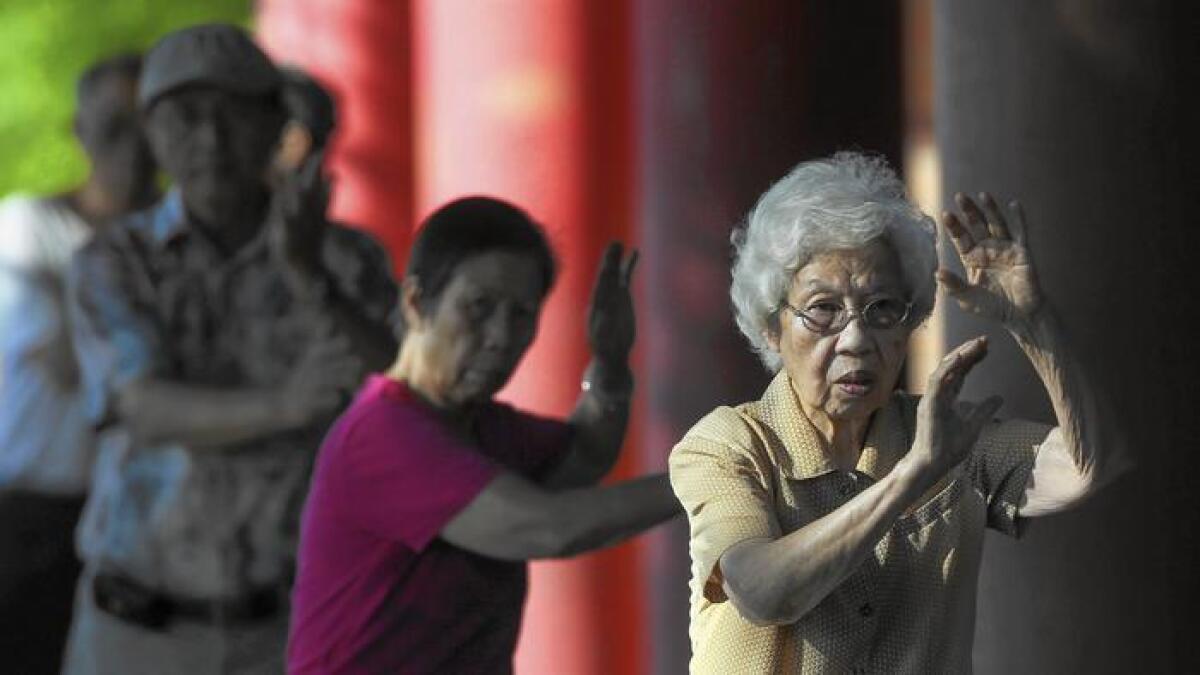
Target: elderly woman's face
x=849 y=374
x=479 y=329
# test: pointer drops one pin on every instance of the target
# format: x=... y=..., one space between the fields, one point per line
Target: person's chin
x=853 y=406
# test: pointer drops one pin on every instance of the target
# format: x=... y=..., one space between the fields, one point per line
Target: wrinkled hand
x=1001 y=283
x=320 y=382
x=946 y=432
x=611 y=322
x=298 y=222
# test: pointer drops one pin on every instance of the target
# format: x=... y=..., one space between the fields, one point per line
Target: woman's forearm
x=599 y=421
x=1089 y=437
x=594 y=518
x=777 y=582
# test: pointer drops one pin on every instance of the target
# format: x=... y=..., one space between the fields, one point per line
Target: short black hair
x=310 y=104
x=127 y=65
x=469 y=227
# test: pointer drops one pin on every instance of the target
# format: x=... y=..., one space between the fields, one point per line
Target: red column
x=361 y=52
x=505 y=108
x=530 y=102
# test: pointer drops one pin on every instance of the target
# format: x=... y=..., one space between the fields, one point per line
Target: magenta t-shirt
x=376 y=590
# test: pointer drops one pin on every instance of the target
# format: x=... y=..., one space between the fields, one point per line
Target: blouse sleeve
x=1000 y=465
x=720 y=477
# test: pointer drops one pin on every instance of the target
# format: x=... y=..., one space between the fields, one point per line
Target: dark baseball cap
x=218 y=55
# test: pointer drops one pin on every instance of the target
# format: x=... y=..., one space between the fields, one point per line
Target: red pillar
x=507 y=107
x=361 y=52
x=530 y=102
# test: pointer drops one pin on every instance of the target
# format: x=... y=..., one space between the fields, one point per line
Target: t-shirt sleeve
x=405 y=477
x=116 y=337
x=720 y=477
x=1000 y=465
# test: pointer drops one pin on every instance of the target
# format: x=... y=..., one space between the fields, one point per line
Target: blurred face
x=110 y=131
x=849 y=374
x=216 y=146
x=471 y=340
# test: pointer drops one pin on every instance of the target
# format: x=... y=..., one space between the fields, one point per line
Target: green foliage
x=44 y=46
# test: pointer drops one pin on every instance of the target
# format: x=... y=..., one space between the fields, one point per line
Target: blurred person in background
x=837 y=523
x=429 y=496
x=220 y=332
x=46 y=442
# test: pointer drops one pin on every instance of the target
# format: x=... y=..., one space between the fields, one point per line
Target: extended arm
x=513 y=519
x=1085 y=451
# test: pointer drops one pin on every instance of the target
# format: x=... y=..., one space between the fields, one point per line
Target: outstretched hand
x=298 y=218
x=1001 y=283
x=611 y=322
x=947 y=430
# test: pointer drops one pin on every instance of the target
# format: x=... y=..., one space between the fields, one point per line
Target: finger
x=953 y=283
x=963 y=242
x=973 y=218
x=1018 y=221
x=627 y=267
x=610 y=262
x=947 y=378
x=609 y=273
x=966 y=295
x=997 y=226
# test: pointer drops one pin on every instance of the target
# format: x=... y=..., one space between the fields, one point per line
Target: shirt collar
x=170 y=219
x=170 y=224
x=803 y=454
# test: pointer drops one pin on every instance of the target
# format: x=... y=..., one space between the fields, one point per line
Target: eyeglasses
x=829 y=317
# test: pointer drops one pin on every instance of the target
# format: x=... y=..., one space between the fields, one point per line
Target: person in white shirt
x=45 y=440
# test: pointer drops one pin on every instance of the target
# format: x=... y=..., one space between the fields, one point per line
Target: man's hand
x=1001 y=283
x=297 y=224
x=320 y=382
x=611 y=322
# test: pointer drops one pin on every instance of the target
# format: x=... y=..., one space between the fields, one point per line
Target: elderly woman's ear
x=410 y=299
x=771 y=334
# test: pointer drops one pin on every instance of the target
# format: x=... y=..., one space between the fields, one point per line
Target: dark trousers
x=38 y=571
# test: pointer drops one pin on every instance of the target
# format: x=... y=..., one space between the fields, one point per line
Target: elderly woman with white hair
x=837 y=522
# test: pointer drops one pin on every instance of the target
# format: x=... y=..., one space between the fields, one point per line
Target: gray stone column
x=1077 y=107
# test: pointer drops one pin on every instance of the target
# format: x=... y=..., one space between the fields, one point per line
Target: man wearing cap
x=46 y=444
x=220 y=331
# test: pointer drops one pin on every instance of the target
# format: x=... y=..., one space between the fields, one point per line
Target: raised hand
x=946 y=432
x=1001 y=283
x=611 y=323
x=298 y=220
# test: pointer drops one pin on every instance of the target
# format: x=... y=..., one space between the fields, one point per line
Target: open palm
x=1000 y=282
x=611 y=322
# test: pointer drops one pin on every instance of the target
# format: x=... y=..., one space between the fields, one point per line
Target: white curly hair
x=841 y=202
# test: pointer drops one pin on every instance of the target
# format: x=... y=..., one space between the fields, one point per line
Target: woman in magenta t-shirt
x=428 y=496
